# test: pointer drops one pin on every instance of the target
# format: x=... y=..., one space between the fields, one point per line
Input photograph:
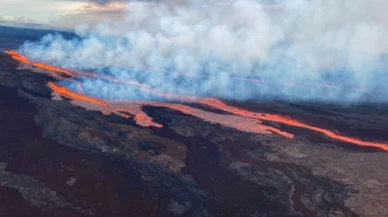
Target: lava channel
x=60 y=73
x=142 y=119
x=241 y=119
x=215 y=103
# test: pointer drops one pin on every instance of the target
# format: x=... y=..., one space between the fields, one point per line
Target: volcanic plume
x=237 y=118
x=165 y=54
x=298 y=51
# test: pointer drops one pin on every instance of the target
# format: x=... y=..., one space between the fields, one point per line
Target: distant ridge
x=11 y=37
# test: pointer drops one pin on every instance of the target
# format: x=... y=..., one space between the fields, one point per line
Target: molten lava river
x=236 y=118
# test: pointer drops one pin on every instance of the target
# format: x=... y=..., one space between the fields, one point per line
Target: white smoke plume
x=206 y=48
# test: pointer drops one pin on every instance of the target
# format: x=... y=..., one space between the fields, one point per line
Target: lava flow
x=142 y=119
x=215 y=103
x=60 y=73
x=16 y=56
x=63 y=91
x=105 y=107
x=239 y=119
x=233 y=121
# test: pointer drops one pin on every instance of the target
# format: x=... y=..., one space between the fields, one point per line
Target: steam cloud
x=201 y=48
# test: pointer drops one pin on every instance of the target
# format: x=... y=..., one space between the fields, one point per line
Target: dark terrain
x=57 y=159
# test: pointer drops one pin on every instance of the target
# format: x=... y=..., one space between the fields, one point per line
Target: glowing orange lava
x=142 y=119
x=233 y=121
x=59 y=72
x=65 y=92
x=52 y=69
x=287 y=120
x=134 y=109
x=18 y=57
x=241 y=119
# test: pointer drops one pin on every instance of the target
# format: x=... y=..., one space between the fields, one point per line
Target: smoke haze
x=238 y=50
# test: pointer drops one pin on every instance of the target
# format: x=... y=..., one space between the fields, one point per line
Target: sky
x=70 y=13
x=63 y=13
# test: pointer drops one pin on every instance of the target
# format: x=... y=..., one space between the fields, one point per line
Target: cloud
x=106 y=1
x=295 y=49
x=103 y=2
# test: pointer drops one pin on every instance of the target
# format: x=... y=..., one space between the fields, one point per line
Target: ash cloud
x=200 y=48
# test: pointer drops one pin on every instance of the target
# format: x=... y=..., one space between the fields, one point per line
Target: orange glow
x=52 y=69
x=241 y=119
x=144 y=120
x=233 y=121
x=18 y=57
x=286 y=120
x=141 y=118
x=65 y=92
x=145 y=88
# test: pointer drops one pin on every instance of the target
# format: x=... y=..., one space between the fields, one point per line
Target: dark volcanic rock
x=35 y=192
x=58 y=159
